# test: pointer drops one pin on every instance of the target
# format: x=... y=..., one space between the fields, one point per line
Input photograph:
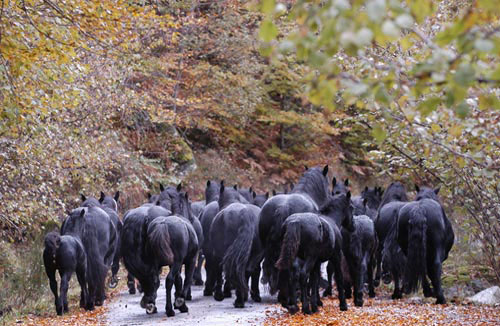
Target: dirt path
x=125 y=310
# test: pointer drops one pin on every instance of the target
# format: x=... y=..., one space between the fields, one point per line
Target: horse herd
x=242 y=235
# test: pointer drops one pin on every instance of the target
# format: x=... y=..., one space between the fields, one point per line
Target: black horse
x=67 y=255
x=259 y=199
x=426 y=236
x=339 y=187
x=359 y=248
x=393 y=199
x=368 y=202
x=236 y=247
x=313 y=239
x=94 y=228
x=131 y=239
x=110 y=205
x=168 y=241
x=308 y=195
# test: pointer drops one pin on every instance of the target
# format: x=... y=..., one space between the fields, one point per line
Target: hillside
x=125 y=95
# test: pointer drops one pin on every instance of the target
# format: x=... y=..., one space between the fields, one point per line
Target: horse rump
x=158 y=243
x=289 y=246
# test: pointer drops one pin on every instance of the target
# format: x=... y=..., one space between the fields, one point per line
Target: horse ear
x=208 y=183
x=157 y=202
x=235 y=187
x=346 y=182
x=117 y=195
x=267 y=195
x=325 y=170
x=366 y=188
x=381 y=191
x=306 y=167
x=222 y=183
x=250 y=189
x=365 y=201
x=82 y=212
x=149 y=195
x=274 y=192
x=179 y=186
x=417 y=188
x=334 y=182
x=82 y=196
x=101 y=199
x=348 y=195
x=222 y=187
x=436 y=191
x=161 y=187
x=254 y=194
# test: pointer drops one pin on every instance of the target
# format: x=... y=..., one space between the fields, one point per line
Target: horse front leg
x=329 y=289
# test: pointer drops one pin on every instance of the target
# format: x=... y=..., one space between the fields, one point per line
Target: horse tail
x=159 y=243
x=289 y=246
x=416 y=264
x=236 y=258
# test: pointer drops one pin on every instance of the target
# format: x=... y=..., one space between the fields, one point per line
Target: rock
x=490 y=296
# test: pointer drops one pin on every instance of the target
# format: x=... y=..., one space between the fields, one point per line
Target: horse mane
x=395 y=192
x=91 y=202
x=314 y=184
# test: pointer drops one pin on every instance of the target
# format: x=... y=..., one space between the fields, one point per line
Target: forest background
x=121 y=95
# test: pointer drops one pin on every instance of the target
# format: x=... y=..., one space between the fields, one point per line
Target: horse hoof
x=98 y=303
x=179 y=302
x=441 y=300
x=131 y=290
x=314 y=310
x=320 y=303
x=256 y=298
x=113 y=283
x=151 y=309
x=343 y=306
x=396 y=296
x=327 y=293
x=170 y=313
x=227 y=294
x=198 y=282
x=293 y=309
x=376 y=283
x=183 y=308
x=306 y=310
x=371 y=294
x=218 y=296
x=207 y=293
x=358 y=303
x=189 y=297
x=238 y=304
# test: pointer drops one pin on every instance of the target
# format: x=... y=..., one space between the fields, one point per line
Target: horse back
x=277 y=209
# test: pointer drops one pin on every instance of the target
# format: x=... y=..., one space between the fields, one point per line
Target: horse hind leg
x=255 y=291
x=198 y=280
x=186 y=290
x=65 y=278
x=131 y=283
x=435 y=276
x=82 y=280
x=339 y=280
x=169 y=283
x=51 y=274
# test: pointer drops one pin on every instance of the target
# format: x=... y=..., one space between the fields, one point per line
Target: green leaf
x=268 y=6
x=379 y=133
x=462 y=110
x=268 y=31
x=429 y=105
x=487 y=102
x=465 y=74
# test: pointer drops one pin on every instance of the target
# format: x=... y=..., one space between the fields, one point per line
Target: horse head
x=426 y=192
